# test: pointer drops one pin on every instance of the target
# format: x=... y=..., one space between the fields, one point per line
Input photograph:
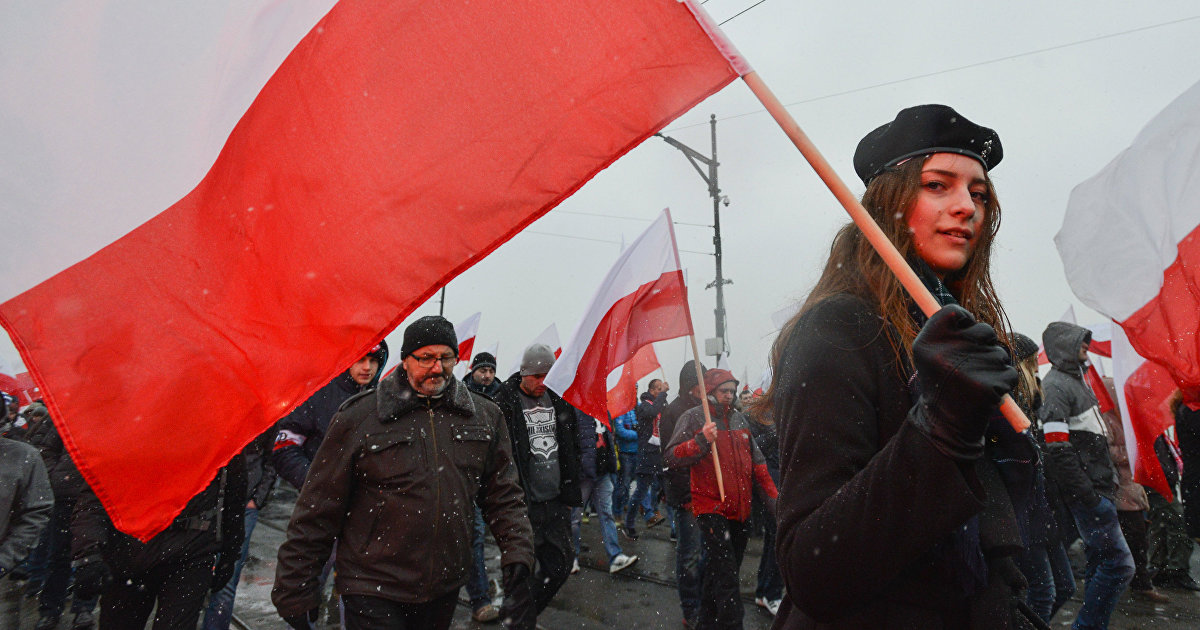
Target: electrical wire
x=741 y=12
x=603 y=240
x=611 y=216
x=946 y=70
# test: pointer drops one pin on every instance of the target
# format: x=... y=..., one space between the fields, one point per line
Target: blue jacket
x=625 y=426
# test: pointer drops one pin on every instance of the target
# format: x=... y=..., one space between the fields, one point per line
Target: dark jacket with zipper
x=393 y=483
x=566 y=433
x=1082 y=465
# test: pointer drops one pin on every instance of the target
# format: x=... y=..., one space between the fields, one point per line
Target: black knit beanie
x=430 y=330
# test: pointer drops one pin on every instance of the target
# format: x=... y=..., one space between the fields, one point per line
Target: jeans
x=625 y=477
x=1110 y=564
x=477 y=581
x=600 y=490
x=724 y=545
x=1051 y=582
x=770 y=582
x=645 y=495
x=687 y=560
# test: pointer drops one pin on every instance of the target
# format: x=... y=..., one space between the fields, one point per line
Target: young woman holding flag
x=890 y=515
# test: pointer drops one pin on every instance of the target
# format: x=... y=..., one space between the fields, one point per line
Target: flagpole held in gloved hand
x=707 y=413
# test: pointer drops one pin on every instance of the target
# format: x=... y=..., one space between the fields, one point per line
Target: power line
x=741 y=12
x=601 y=240
x=949 y=70
x=645 y=220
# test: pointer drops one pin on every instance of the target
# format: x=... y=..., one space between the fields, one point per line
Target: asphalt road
x=642 y=597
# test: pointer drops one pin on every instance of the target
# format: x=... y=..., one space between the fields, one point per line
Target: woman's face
x=948 y=213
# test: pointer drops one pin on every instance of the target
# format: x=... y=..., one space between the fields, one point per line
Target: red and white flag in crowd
x=623 y=395
x=1142 y=212
x=298 y=178
x=1100 y=344
x=465 y=331
x=643 y=299
x=548 y=337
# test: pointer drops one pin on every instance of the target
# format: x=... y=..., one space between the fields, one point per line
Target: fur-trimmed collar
x=397 y=398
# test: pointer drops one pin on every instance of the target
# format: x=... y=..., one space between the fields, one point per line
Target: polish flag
x=623 y=395
x=1141 y=211
x=212 y=208
x=764 y=382
x=20 y=385
x=643 y=299
x=465 y=332
x=548 y=337
x=1100 y=344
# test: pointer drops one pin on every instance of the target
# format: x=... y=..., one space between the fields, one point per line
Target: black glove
x=307 y=621
x=222 y=573
x=963 y=372
x=90 y=578
x=518 y=611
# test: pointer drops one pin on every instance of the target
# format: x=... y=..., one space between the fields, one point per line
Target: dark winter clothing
x=431 y=330
x=302 y=430
x=400 y=473
x=25 y=501
x=742 y=465
x=490 y=391
x=648 y=414
x=566 y=434
x=1187 y=432
x=174 y=569
x=677 y=483
x=1074 y=432
x=872 y=513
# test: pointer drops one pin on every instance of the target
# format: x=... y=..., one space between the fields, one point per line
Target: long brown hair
x=854 y=268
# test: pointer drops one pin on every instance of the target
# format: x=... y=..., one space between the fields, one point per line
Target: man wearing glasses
x=394 y=483
x=546 y=448
x=722 y=521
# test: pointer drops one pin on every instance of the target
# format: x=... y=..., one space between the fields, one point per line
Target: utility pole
x=709 y=174
x=442 y=302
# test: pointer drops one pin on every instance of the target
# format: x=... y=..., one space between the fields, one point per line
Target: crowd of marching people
x=890 y=491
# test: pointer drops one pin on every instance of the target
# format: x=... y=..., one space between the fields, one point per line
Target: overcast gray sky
x=1066 y=84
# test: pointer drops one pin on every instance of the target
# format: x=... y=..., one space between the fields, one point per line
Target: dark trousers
x=1170 y=547
x=770 y=582
x=1133 y=526
x=724 y=545
x=178 y=587
x=552 y=548
x=364 y=612
x=56 y=549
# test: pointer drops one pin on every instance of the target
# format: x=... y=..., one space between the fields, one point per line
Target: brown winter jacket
x=394 y=482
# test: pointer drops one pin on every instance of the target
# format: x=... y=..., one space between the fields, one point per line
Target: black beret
x=922 y=130
x=431 y=330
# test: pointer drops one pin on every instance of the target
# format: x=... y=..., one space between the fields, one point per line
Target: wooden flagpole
x=707 y=414
x=884 y=246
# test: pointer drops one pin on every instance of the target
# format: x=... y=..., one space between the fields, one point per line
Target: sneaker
x=628 y=532
x=575 y=566
x=621 y=562
x=771 y=605
x=657 y=519
x=485 y=613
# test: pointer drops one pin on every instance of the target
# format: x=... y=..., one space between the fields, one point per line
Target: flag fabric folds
x=623 y=396
x=425 y=134
x=642 y=300
x=1141 y=211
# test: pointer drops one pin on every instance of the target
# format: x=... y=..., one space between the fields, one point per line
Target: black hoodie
x=301 y=432
x=1076 y=443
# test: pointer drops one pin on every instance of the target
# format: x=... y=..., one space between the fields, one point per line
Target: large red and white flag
x=298 y=177
x=623 y=395
x=1142 y=212
x=642 y=300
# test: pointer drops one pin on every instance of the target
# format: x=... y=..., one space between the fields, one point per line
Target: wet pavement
x=642 y=597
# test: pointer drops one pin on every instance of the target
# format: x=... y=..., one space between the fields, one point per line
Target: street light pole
x=709 y=175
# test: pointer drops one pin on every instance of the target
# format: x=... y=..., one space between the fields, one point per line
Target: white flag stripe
x=1136 y=210
x=645 y=261
x=123 y=131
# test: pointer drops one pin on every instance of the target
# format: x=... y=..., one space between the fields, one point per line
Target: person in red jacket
x=722 y=522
